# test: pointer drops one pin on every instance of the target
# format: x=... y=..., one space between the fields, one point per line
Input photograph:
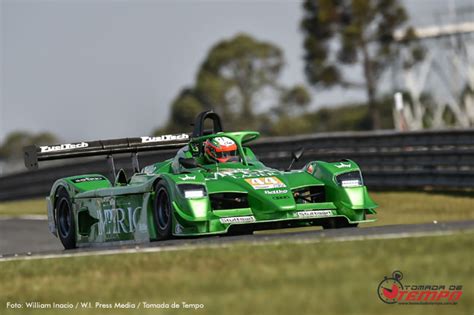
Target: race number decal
x=265 y=182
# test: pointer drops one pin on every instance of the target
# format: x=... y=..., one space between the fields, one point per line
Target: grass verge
x=23 y=207
x=318 y=278
x=420 y=207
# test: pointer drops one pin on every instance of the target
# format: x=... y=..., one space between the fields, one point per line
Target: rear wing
x=34 y=154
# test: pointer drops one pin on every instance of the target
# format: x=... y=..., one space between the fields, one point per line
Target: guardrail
x=389 y=160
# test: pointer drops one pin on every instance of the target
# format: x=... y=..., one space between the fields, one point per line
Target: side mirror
x=295 y=156
x=188 y=163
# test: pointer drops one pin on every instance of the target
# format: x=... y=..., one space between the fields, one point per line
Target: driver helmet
x=221 y=150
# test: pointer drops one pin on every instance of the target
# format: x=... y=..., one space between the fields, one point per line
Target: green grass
x=23 y=207
x=319 y=278
x=419 y=207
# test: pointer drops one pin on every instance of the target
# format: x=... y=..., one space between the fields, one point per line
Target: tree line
x=240 y=76
x=12 y=146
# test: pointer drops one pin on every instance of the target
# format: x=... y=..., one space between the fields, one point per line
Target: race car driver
x=221 y=150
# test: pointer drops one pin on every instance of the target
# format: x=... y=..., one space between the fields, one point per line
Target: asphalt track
x=30 y=238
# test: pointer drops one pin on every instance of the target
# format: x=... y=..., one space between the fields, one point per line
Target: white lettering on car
x=165 y=138
x=63 y=147
x=237 y=220
x=187 y=177
x=112 y=221
x=87 y=179
x=242 y=173
x=314 y=213
x=276 y=192
x=342 y=165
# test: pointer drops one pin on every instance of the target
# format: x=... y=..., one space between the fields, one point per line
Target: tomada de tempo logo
x=392 y=291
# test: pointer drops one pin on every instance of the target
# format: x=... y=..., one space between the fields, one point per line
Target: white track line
x=228 y=245
x=36 y=217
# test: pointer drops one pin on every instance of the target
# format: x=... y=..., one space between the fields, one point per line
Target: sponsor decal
x=351 y=183
x=63 y=147
x=237 y=220
x=280 y=197
x=165 y=138
x=276 y=192
x=314 y=213
x=187 y=177
x=392 y=291
x=342 y=165
x=118 y=221
x=87 y=179
x=265 y=182
x=238 y=173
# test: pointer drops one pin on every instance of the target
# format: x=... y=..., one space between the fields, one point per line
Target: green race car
x=214 y=185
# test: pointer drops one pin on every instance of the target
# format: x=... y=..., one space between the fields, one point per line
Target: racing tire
x=162 y=212
x=338 y=224
x=239 y=231
x=65 y=222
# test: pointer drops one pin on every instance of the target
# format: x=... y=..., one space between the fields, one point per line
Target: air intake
x=228 y=201
x=310 y=194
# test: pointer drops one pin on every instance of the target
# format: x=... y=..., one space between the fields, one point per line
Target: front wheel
x=65 y=219
x=338 y=223
x=237 y=230
x=162 y=214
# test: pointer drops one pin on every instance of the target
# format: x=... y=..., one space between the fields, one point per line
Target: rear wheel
x=65 y=219
x=162 y=214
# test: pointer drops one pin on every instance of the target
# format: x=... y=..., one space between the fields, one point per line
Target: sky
x=101 y=69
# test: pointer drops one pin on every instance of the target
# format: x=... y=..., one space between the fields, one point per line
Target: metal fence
x=389 y=160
